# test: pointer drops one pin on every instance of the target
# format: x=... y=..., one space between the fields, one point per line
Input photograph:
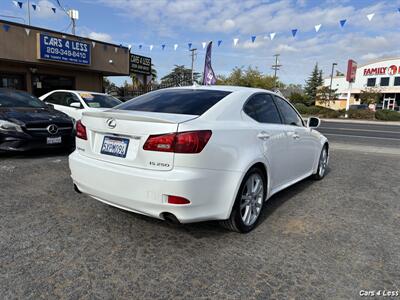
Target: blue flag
x=208 y=76
x=140 y=46
x=34 y=6
x=342 y=22
x=294 y=32
x=20 y=4
x=219 y=43
x=6 y=27
x=53 y=9
x=253 y=38
x=163 y=46
x=190 y=45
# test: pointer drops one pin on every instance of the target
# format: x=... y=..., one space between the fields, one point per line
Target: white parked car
x=197 y=153
x=74 y=103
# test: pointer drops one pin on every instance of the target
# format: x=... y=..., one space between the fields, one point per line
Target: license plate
x=114 y=146
x=53 y=140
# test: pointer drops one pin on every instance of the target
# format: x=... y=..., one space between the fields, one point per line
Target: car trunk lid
x=118 y=136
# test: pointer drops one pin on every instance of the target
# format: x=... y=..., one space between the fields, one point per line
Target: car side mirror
x=49 y=105
x=76 y=105
x=313 y=122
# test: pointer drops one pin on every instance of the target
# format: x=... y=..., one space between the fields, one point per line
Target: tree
x=296 y=97
x=108 y=85
x=370 y=96
x=136 y=83
x=314 y=81
x=326 y=95
x=290 y=89
x=250 y=77
x=179 y=75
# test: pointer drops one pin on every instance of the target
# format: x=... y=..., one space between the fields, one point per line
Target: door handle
x=294 y=135
x=263 y=135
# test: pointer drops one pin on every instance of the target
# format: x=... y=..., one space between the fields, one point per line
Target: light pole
x=330 y=85
x=193 y=56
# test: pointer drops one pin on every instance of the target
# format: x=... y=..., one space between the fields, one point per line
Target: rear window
x=175 y=101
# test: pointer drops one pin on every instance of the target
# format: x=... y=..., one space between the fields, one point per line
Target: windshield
x=98 y=100
x=176 y=101
x=13 y=98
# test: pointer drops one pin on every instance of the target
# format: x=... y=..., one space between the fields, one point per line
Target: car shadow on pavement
x=212 y=228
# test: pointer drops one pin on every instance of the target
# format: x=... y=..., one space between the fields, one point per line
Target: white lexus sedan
x=197 y=153
x=74 y=103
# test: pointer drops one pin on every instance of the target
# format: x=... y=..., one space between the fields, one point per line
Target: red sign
x=392 y=70
x=351 y=70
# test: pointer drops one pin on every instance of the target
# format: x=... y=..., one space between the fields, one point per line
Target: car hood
x=32 y=115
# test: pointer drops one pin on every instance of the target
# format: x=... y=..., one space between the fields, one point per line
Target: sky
x=170 y=22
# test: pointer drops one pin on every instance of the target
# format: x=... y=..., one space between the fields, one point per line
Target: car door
x=62 y=102
x=301 y=144
x=271 y=136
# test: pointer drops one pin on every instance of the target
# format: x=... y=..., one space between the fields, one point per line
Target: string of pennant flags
x=35 y=7
x=271 y=36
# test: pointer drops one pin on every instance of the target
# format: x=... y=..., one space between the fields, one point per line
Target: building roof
x=59 y=32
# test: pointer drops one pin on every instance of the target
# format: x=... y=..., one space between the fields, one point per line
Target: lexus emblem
x=111 y=123
x=52 y=129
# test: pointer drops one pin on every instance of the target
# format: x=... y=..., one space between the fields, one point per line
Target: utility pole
x=74 y=15
x=276 y=67
x=330 y=85
x=29 y=13
x=193 y=54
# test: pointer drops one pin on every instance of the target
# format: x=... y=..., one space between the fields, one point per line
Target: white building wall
x=377 y=69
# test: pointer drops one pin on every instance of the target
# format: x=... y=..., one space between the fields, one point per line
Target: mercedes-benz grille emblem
x=52 y=129
x=111 y=123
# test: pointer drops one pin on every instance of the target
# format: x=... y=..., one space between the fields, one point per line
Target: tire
x=322 y=164
x=248 y=205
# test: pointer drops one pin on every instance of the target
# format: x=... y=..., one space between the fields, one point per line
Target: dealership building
x=39 y=60
x=383 y=76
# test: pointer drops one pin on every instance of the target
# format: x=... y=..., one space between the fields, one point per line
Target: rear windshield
x=175 y=101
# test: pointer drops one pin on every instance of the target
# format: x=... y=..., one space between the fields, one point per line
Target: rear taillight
x=180 y=142
x=81 y=130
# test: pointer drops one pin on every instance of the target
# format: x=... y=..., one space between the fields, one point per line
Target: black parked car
x=26 y=123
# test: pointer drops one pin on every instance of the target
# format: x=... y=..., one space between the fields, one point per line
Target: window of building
x=371 y=81
x=12 y=81
x=385 y=81
x=262 y=108
x=397 y=81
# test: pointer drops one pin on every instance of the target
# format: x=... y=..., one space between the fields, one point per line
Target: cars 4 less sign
x=139 y=64
x=392 y=70
x=63 y=50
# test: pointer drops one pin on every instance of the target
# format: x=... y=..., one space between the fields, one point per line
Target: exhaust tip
x=76 y=189
x=170 y=218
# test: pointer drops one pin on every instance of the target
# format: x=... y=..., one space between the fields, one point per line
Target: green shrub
x=387 y=115
x=317 y=111
x=361 y=114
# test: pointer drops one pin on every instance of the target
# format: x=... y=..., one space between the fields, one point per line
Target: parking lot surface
x=324 y=239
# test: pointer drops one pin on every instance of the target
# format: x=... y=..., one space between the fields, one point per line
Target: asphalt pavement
x=370 y=134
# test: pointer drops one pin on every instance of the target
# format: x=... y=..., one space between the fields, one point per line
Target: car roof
x=226 y=88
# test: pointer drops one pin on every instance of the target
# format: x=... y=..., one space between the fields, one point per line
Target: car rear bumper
x=9 y=143
x=210 y=192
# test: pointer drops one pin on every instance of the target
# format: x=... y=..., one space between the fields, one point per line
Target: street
x=379 y=135
x=317 y=239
